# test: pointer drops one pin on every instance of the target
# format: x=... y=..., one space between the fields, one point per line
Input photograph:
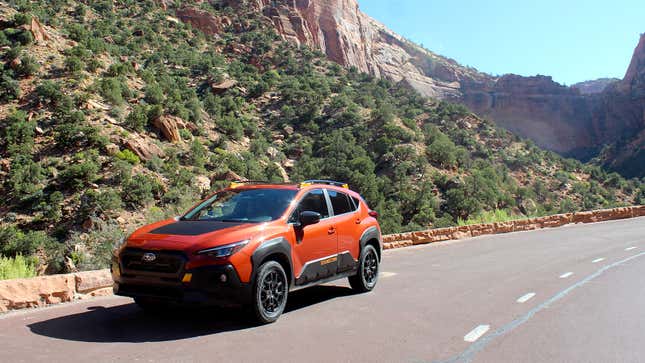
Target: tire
x=368 y=268
x=151 y=305
x=270 y=292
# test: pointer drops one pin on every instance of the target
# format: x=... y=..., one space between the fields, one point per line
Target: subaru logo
x=148 y=257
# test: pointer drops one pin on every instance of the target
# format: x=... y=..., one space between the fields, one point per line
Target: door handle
x=331 y=230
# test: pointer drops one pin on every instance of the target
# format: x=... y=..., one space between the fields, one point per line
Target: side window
x=339 y=202
x=356 y=203
x=314 y=201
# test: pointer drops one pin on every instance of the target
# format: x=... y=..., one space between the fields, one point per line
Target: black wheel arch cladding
x=278 y=249
x=371 y=233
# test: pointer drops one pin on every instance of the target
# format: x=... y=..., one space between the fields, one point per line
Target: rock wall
x=55 y=289
x=558 y=220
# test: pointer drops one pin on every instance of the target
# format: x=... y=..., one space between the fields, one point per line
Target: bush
x=128 y=156
x=99 y=244
x=112 y=90
x=49 y=93
x=18 y=267
x=137 y=119
x=81 y=173
x=154 y=94
x=25 y=176
x=9 y=88
x=140 y=190
x=15 y=242
x=73 y=64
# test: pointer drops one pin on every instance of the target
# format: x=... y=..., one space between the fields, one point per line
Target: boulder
x=203 y=183
x=227 y=176
x=283 y=173
x=111 y=149
x=206 y=22
x=144 y=149
x=223 y=86
x=168 y=126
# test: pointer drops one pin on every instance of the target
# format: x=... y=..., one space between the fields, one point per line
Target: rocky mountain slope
x=115 y=114
x=574 y=121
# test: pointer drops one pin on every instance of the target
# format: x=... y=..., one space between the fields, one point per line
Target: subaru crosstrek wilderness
x=249 y=245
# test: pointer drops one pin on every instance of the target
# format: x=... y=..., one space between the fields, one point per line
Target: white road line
x=476 y=333
x=526 y=298
x=598 y=260
x=630 y=248
x=564 y=276
x=387 y=274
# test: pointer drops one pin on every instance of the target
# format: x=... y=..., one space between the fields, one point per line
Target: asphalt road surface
x=571 y=294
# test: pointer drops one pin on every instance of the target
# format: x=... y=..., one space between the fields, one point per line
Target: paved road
x=581 y=291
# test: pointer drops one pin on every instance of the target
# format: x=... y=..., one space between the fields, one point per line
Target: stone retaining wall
x=45 y=290
x=452 y=233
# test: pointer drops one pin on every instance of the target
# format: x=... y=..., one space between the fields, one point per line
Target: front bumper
x=209 y=285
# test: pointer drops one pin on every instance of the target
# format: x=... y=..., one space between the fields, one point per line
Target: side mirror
x=308 y=218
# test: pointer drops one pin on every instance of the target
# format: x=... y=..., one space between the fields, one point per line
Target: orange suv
x=251 y=244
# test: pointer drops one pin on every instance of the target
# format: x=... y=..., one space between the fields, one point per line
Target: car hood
x=190 y=236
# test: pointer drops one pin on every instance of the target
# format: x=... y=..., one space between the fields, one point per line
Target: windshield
x=250 y=205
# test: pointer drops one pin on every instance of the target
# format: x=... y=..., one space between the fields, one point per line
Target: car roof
x=291 y=186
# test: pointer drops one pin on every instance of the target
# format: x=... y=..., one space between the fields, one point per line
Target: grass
x=497 y=215
x=17 y=267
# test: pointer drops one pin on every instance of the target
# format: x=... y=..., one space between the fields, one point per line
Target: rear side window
x=357 y=203
x=314 y=201
x=340 y=202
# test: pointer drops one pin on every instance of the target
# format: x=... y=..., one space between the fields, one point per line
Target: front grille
x=167 y=262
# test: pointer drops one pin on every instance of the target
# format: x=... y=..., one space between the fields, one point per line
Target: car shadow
x=128 y=323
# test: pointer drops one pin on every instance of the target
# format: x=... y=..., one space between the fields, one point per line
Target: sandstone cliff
x=574 y=121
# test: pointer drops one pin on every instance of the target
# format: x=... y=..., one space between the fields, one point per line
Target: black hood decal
x=193 y=228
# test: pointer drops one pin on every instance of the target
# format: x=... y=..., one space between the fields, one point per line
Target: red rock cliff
x=556 y=117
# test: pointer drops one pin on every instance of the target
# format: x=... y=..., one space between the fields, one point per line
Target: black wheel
x=367 y=275
x=270 y=292
x=151 y=305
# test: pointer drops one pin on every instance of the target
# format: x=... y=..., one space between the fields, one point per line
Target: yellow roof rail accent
x=234 y=185
x=303 y=185
x=346 y=186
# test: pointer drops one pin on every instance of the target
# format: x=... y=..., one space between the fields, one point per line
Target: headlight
x=224 y=251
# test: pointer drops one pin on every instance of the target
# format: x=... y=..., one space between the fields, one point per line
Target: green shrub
x=154 y=94
x=73 y=64
x=9 y=88
x=18 y=267
x=25 y=177
x=128 y=156
x=140 y=190
x=99 y=244
x=81 y=173
x=112 y=90
x=15 y=242
x=49 y=92
x=137 y=119
x=19 y=133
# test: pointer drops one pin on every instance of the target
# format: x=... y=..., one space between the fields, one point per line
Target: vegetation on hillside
x=72 y=187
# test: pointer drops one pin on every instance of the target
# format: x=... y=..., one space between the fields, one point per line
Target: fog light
x=223 y=278
x=187 y=278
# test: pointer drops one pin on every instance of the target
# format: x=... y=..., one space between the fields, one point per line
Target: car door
x=316 y=246
x=346 y=222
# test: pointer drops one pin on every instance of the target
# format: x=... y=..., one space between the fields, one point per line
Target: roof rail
x=327 y=182
x=238 y=183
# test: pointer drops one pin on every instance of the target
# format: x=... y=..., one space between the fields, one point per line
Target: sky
x=570 y=40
